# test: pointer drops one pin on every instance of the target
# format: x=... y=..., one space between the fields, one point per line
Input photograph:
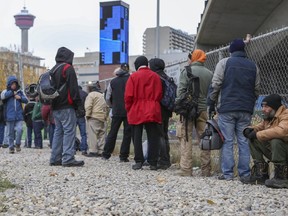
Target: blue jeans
x=51 y=133
x=12 y=127
x=64 y=136
x=232 y=124
x=2 y=129
x=29 y=136
x=37 y=127
x=6 y=138
x=81 y=122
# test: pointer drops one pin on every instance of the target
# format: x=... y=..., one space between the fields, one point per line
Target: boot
x=259 y=174
x=280 y=179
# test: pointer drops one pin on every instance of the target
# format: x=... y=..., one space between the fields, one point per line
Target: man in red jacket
x=143 y=94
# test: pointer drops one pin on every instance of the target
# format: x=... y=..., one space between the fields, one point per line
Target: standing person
x=28 y=109
x=64 y=113
x=270 y=139
x=47 y=116
x=96 y=114
x=235 y=88
x=158 y=65
x=115 y=100
x=2 y=123
x=81 y=122
x=143 y=94
x=38 y=124
x=14 y=97
x=196 y=62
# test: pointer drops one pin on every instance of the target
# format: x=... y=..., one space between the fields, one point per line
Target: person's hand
x=249 y=133
x=17 y=97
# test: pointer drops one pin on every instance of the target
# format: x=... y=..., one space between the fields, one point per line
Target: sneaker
x=74 y=164
x=57 y=163
x=163 y=166
x=91 y=154
x=125 y=160
x=5 y=145
x=11 y=150
x=84 y=153
x=253 y=180
x=137 y=166
x=18 y=148
x=222 y=177
x=104 y=158
x=183 y=173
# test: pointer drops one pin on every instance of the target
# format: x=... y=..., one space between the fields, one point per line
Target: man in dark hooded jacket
x=115 y=99
x=65 y=108
x=158 y=65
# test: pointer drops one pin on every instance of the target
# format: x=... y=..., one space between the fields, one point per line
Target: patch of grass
x=5 y=184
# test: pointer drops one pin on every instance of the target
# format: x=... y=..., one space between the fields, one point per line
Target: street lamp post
x=157 y=30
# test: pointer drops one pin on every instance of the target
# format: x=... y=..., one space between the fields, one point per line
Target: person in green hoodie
x=38 y=124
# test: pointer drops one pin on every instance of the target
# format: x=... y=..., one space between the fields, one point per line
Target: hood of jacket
x=10 y=80
x=64 y=55
x=122 y=72
x=156 y=64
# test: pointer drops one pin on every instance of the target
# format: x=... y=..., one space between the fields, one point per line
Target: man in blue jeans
x=235 y=88
x=65 y=108
x=81 y=122
x=13 y=98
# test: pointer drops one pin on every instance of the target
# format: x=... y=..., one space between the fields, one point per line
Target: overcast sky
x=75 y=23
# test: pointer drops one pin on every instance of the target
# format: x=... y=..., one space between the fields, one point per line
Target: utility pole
x=157 y=44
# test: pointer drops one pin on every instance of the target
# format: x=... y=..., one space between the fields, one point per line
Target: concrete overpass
x=224 y=20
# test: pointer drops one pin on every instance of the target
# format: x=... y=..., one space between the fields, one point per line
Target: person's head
x=12 y=83
x=270 y=104
x=124 y=66
x=140 y=61
x=156 y=64
x=64 y=55
x=237 y=45
x=197 y=56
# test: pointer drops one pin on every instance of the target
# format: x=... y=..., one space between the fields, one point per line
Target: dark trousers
x=37 y=127
x=164 y=152
x=29 y=136
x=2 y=129
x=112 y=136
x=51 y=133
x=153 y=137
x=275 y=150
x=81 y=122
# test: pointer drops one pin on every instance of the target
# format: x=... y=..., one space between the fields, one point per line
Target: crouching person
x=269 y=139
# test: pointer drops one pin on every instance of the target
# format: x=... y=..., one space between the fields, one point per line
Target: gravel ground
x=113 y=188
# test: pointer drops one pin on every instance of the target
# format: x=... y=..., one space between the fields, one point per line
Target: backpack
x=169 y=93
x=47 y=92
x=212 y=138
x=187 y=105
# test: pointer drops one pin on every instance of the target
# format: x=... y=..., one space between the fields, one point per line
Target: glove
x=80 y=113
x=247 y=131
x=252 y=135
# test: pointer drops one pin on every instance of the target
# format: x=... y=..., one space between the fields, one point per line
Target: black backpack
x=169 y=93
x=45 y=88
x=187 y=105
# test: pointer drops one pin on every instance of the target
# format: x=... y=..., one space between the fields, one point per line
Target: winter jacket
x=47 y=114
x=13 y=107
x=36 y=114
x=69 y=97
x=235 y=84
x=115 y=93
x=28 y=109
x=96 y=107
x=2 y=120
x=205 y=77
x=277 y=128
x=143 y=94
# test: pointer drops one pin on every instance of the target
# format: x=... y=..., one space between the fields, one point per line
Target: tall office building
x=114 y=32
x=171 y=40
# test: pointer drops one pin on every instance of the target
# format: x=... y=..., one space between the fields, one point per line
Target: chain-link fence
x=269 y=52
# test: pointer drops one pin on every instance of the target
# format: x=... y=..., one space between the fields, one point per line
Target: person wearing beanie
x=142 y=97
x=235 y=88
x=196 y=61
x=158 y=65
x=270 y=139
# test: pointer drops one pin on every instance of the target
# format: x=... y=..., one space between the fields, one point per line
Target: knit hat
x=124 y=66
x=273 y=101
x=140 y=61
x=237 y=45
x=156 y=64
x=198 y=56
